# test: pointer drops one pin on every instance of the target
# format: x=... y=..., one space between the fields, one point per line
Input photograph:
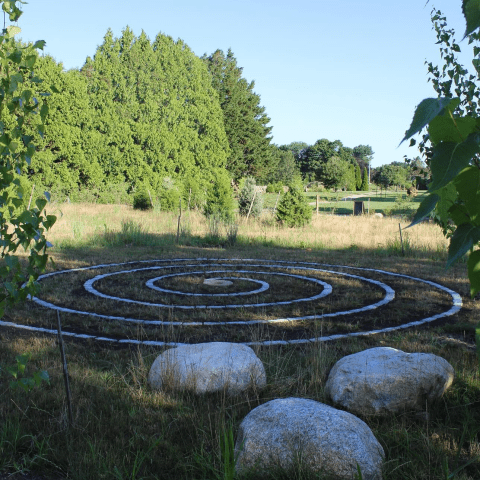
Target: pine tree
x=244 y=118
x=294 y=210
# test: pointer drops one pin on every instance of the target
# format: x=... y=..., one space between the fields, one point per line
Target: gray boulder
x=385 y=380
x=281 y=432
x=208 y=367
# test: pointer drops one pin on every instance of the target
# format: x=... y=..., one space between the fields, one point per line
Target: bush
x=220 y=198
x=247 y=196
x=294 y=210
x=141 y=199
x=169 y=200
x=275 y=187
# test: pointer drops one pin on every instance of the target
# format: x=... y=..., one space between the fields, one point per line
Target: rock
x=208 y=367
x=385 y=380
x=281 y=432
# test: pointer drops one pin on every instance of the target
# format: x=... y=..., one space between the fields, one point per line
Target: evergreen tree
x=293 y=209
x=358 y=177
x=364 y=187
x=244 y=118
x=157 y=110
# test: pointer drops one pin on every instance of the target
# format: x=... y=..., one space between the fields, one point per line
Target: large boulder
x=385 y=380
x=281 y=432
x=208 y=367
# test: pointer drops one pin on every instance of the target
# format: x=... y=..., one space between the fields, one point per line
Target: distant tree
x=394 y=173
x=285 y=166
x=245 y=120
x=358 y=177
x=338 y=174
x=296 y=148
x=364 y=187
x=363 y=155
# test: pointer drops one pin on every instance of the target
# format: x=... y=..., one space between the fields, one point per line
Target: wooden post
x=65 y=371
x=179 y=218
x=401 y=239
x=276 y=201
x=31 y=195
x=317 y=204
x=189 y=197
x=251 y=205
x=151 y=201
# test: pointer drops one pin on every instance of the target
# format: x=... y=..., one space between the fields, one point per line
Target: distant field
x=387 y=203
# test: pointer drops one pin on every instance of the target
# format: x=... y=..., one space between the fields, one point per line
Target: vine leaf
x=426 y=111
x=471 y=12
x=464 y=238
x=474 y=272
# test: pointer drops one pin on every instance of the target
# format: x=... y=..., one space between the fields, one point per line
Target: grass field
x=124 y=430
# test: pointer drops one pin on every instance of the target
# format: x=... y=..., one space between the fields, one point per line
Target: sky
x=338 y=69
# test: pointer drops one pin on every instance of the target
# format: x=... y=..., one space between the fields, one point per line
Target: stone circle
x=251 y=289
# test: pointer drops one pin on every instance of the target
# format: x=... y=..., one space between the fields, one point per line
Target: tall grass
x=104 y=225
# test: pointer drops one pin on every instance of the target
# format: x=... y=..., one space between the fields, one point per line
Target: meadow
x=124 y=430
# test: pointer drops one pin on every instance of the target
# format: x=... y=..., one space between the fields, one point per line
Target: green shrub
x=247 y=196
x=274 y=187
x=141 y=199
x=169 y=200
x=294 y=210
x=219 y=200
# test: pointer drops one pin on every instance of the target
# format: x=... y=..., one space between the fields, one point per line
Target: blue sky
x=347 y=70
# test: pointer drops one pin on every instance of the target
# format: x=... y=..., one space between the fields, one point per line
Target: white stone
x=208 y=367
x=383 y=380
x=282 y=432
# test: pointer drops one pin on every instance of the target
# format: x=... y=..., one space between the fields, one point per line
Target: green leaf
x=474 y=272
x=427 y=206
x=471 y=11
x=448 y=195
x=467 y=184
x=426 y=111
x=39 y=44
x=449 y=159
x=458 y=213
x=464 y=238
x=13 y=30
x=44 y=112
x=445 y=128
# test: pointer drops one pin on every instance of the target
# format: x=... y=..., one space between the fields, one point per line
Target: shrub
x=247 y=196
x=294 y=210
x=141 y=199
x=274 y=187
x=220 y=198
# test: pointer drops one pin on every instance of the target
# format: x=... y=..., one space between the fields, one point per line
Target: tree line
x=151 y=115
